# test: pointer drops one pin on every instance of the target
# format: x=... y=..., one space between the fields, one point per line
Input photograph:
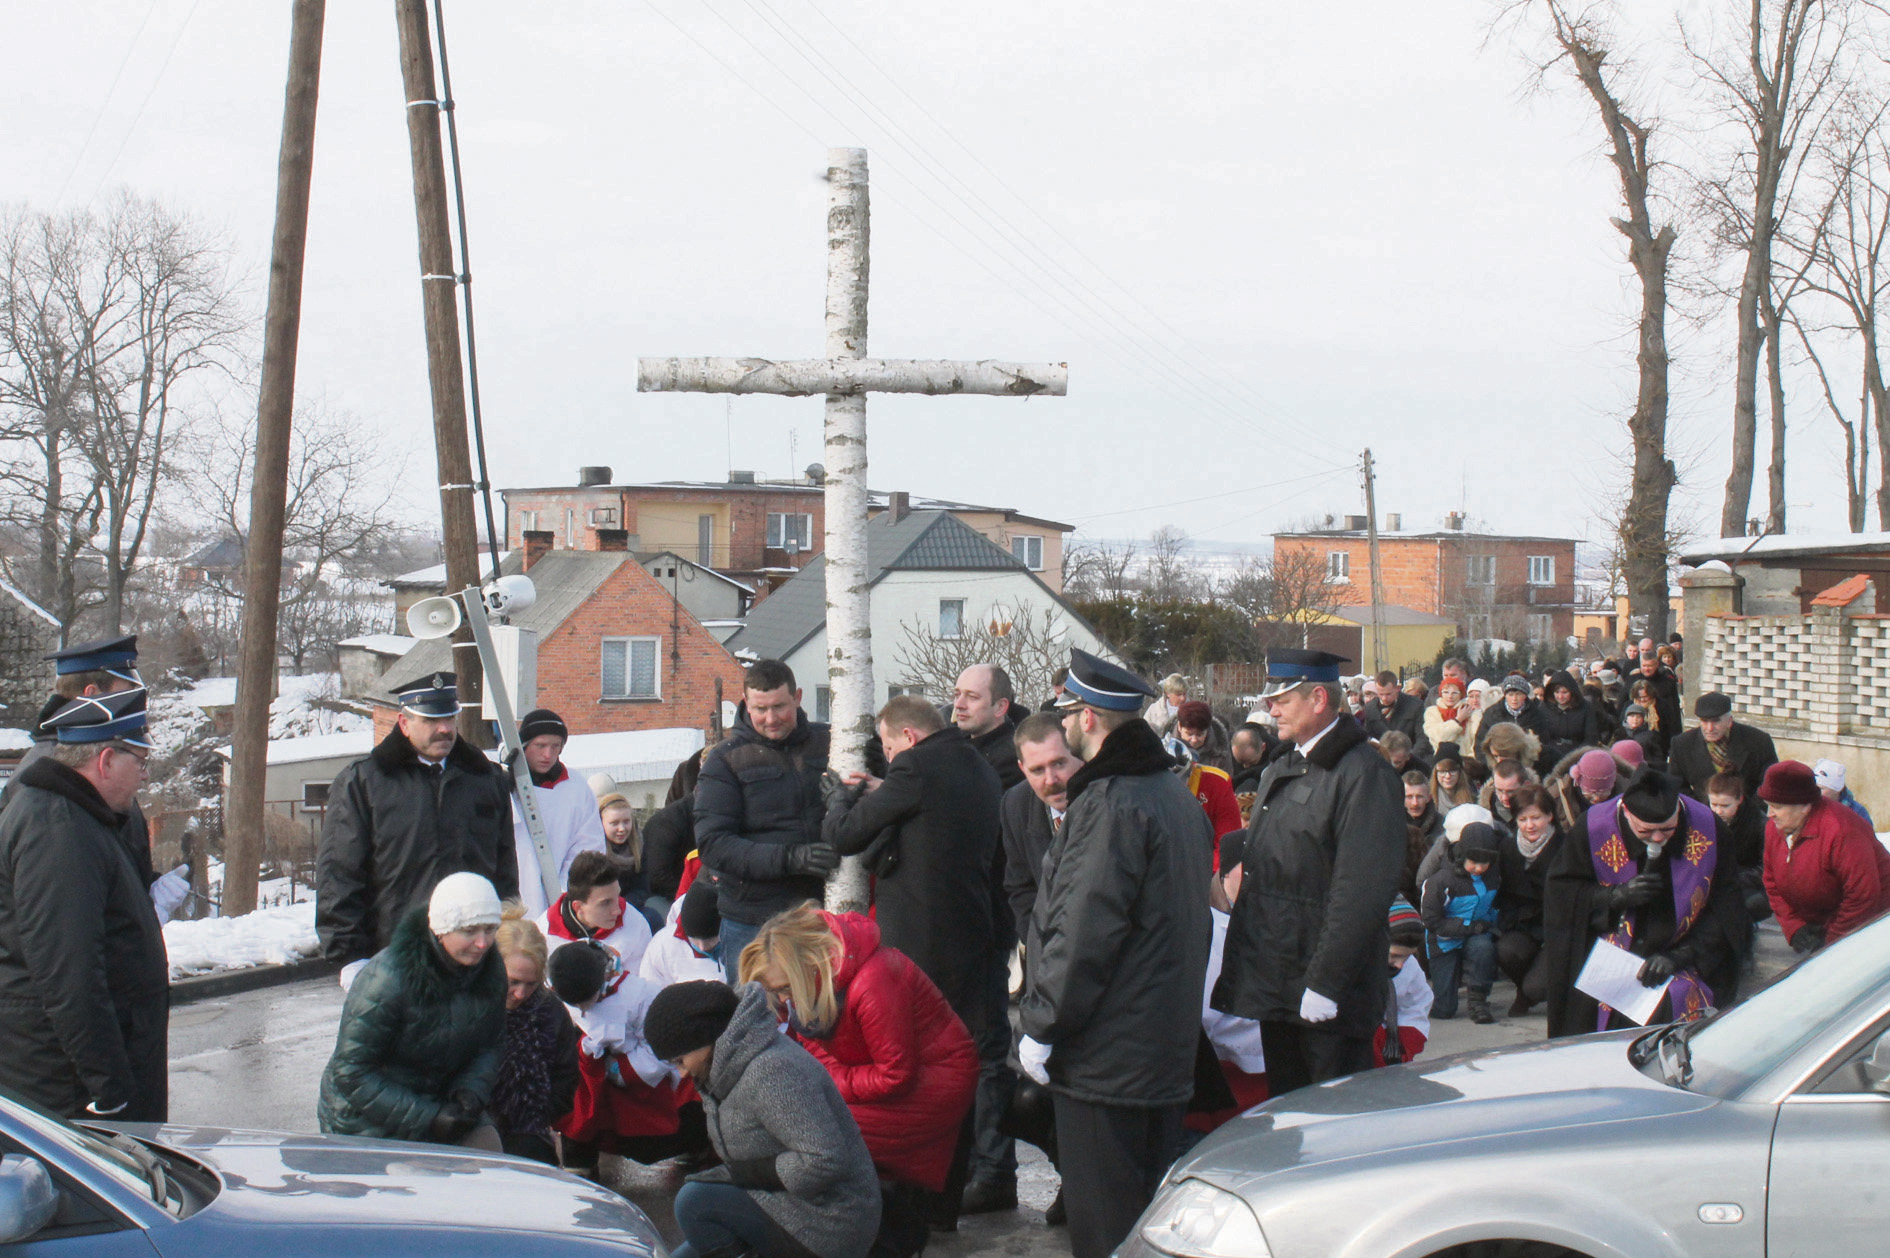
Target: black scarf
x=521 y=1094
x=1131 y=750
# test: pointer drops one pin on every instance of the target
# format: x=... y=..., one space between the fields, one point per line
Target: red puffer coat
x=904 y=1063
x=1837 y=875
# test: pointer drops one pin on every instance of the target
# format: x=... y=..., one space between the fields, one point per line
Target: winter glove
x=835 y=793
x=98 y=1109
x=812 y=859
x=1640 y=890
x=1316 y=1008
x=452 y=1123
x=1662 y=966
x=169 y=892
x=349 y=971
x=1035 y=1058
x=1808 y=939
x=755 y=1173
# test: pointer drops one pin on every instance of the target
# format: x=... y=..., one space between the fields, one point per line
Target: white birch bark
x=806 y=377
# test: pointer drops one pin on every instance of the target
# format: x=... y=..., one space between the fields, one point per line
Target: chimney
x=1454 y=521
x=1393 y=521
x=589 y=476
x=610 y=539
x=741 y=478
x=537 y=545
x=898 y=506
x=1355 y=523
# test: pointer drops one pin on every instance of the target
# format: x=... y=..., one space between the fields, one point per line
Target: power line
x=104 y=102
x=152 y=91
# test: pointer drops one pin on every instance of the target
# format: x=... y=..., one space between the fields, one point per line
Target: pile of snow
x=15 y=740
x=266 y=937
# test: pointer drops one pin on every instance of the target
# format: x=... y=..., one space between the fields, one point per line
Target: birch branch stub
x=845 y=376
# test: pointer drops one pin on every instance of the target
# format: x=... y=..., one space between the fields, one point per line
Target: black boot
x=1480 y=1009
x=989 y=1196
x=1056 y=1216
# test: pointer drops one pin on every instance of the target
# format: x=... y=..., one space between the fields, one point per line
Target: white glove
x=349 y=971
x=93 y=1109
x=1035 y=1058
x=170 y=891
x=1316 y=1008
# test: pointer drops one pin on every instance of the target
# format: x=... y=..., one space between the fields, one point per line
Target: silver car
x=1764 y=1131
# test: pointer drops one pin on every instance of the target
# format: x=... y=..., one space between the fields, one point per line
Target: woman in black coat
x=1565 y=720
x=1527 y=855
x=538 y=1074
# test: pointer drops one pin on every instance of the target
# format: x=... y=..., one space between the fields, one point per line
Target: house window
x=570 y=528
x=528 y=522
x=951 y=618
x=628 y=668
x=604 y=515
x=1028 y=551
x=1542 y=569
x=1339 y=565
x=1480 y=625
x=790 y=531
x=1541 y=626
x=705 y=540
x=314 y=796
x=823 y=703
x=1482 y=571
x=893 y=692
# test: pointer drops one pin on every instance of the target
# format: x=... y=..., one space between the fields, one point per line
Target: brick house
x=616 y=651
x=1493 y=585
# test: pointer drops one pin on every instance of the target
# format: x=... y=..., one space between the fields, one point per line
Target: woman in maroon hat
x=1825 y=872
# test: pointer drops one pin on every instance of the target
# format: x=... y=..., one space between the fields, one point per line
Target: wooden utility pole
x=269 y=479
x=445 y=373
x=846 y=376
x=1378 y=576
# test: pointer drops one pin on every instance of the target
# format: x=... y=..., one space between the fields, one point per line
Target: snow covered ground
x=274 y=936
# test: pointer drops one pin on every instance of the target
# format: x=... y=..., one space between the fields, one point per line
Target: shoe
x=1520 y=1008
x=1056 y=1216
x=1480 y=1013
x=989 y=1196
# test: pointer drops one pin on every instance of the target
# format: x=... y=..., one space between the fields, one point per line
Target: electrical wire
x=104 y=102
x=149 y=93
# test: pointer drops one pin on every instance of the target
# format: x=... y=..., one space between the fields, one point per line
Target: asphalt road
x=255 y=1060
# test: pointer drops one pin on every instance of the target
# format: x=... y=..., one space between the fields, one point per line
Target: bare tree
x=1098 y=571
x=1583 y=41
x=1283 y=595
x=1169 y=575
x=1028 y=647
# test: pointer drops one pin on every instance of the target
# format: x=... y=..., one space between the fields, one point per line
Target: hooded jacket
x=84 y=985
x=756 y=798
x=1324 y=854
x=416 y=1028
x=903 y=1061
x=1455 y=900
x=1562 y=730
x=1836 y=876
x=1122 y=929
x=395 y=827
x=784 y=1133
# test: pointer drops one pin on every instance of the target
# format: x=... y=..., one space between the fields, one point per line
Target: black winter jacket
x=1025 y=822
x=1324 y=853
x=395 y=827
x=416 y=1028
x=84 y=985
x=757 y=798
x=1525 y=883
x=1407 y=717
x=932 y=827
x=1122 y=930
x=998 y=746
x=1562 y=730
x=135 y=833
x=1748 y=747
x=668 y=838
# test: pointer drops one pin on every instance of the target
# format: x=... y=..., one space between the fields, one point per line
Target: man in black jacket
x=1398 y=710
x=759 y=808
x=1032 y=812
x=1307 y=939
x=1719 y=744
x=84 y=986
x=1121 y=930
x=420 y=806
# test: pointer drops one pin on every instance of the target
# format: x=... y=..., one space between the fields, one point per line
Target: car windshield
x=1735 y=1049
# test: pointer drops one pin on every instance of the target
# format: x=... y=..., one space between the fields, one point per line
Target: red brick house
x=616 y=650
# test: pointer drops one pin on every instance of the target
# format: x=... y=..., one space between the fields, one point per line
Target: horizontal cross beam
x=808 y=377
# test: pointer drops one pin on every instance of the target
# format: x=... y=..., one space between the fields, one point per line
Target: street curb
x=188 y=991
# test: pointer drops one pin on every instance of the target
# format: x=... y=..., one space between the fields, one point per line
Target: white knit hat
x=461 y=901
x=1462 y=815
x=1829 y=775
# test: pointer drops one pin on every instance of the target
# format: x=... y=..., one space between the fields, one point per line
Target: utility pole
x=445 y=374
x=269 y=478
x=1378 y=580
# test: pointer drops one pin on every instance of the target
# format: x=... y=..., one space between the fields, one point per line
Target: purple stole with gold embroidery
x=1690 y=869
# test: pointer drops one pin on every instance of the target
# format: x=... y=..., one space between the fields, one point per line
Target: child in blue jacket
x=1459 y=907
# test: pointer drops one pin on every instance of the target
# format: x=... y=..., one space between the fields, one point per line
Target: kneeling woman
x=423 y=1028
x=538 y=1076
x=795 y=1179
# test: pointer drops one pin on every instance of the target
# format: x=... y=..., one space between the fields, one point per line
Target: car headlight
x=1194 y=1219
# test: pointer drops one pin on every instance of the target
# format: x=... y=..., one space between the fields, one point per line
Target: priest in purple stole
x=1650 y=871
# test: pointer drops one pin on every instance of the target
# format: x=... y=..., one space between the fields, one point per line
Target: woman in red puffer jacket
x=904 y=1063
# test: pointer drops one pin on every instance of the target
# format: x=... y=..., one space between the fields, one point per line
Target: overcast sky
x=1264 y=236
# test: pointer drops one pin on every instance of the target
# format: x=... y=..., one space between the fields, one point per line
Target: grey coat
x=785 y=1136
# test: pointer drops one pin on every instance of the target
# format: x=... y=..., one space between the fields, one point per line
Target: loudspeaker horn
x=433 y=617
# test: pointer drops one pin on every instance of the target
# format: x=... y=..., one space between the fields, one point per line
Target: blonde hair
x=802 y=946
x=615 y=800
x=519 y=936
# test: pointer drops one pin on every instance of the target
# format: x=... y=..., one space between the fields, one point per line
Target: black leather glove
x=1662 y=966
x=755 y=1173
x=451 y=1124
x=1640 y=890
x=1808 y=939
x=834 y=792
x=812 y=859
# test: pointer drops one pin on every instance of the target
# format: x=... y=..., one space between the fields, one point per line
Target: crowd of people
x=1202 y=912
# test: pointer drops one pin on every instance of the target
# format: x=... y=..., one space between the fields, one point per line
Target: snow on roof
x=382 y=643
x=1783 y=545
x=15 y=593
x=357 y=742
x=220 y=692
x=15 y=740
x=642 y=755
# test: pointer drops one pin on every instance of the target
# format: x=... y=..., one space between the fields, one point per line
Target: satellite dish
x=433 y=617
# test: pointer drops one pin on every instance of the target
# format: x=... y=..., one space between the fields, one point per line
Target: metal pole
x=511 y=749
x=1378 y=580
x=268 y=490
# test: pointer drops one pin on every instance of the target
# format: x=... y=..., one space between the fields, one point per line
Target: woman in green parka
x=423 y=1028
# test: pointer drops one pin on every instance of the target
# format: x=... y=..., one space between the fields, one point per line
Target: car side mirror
x=1877 y=1065
x=28 y=1198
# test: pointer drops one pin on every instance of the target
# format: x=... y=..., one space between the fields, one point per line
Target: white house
x=930 y=573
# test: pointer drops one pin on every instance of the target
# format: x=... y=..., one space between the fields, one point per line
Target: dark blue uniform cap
x=101 y=719
x=118 y=656
x=1288 y=667
x=1096 y=683
x=436 y=696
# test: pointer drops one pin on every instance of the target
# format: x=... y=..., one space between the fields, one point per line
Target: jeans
x=1475 y=961
x=723 y=1219
x=735 y=936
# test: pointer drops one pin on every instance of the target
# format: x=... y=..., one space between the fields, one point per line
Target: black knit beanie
x=578 y=970
x=541 y=721
x=700 y=919
x=688 y=1016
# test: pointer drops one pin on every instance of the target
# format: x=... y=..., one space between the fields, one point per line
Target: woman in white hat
x=423 y=1028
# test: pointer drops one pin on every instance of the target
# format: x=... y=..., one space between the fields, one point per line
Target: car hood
x=273 y=1178
x=1531 y=1088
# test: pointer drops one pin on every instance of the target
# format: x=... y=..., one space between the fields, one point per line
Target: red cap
x=1790 y=782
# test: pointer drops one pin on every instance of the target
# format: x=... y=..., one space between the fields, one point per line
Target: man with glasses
x=84 y=985
x=1653 y=874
